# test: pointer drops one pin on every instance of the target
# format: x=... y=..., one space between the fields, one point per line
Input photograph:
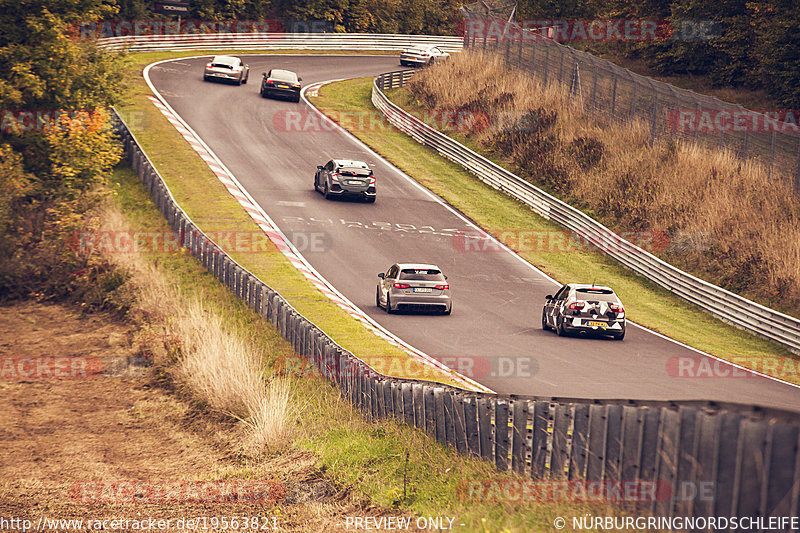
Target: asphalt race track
x=494 y=333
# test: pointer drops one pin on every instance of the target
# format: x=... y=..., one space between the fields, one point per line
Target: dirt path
x=85 y=433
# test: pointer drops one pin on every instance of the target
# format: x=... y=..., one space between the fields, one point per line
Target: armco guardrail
x=721 y=303
x=705 y=459
x=277 y=41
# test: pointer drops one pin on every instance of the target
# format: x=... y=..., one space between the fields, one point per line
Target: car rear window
x=603 y=295
x=345 y=171
x=283 y=75
x=220 y=64
x=422 y=274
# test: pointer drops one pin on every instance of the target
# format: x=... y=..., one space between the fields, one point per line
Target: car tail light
x=296 y=85
x=617 y=308
x=442 y=287
x=335 y=177
x=270 y=82
x=372 y=180
x=208 y=66
x=577 y=305
x=401 y=286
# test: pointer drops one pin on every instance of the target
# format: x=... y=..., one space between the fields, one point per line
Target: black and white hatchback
x=584 y=309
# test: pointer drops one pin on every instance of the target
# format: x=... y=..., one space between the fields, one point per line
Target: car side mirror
x=264 y=74
x=445 y=277
x=548 y=297
x=382 y=275
x=299 y=78
x=319 y=167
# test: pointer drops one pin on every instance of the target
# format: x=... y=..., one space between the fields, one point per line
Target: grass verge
x=214 y=210
x=645 y=303
x=394 y=465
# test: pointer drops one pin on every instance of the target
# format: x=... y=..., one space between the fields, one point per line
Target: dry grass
x=713 y=214
x=215 y=365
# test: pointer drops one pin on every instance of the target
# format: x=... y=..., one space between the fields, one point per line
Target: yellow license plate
x=598 y=324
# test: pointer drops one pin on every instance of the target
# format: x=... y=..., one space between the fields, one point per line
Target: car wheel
x=205 y=78
x=378 y=297
x=389 y=305
x=448 y=310
x=297 y=98
x=246 y=78
x=325 y=192
x=430 y=62
x=545 y=326
x=560 y=329
x=261 y=91
x=370 y=199
x=316 y=188
x=618 y=336
x=239 y=81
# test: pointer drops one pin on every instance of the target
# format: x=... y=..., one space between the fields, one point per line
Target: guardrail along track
x=277 y=41
x=723 y=304
x=747 y=459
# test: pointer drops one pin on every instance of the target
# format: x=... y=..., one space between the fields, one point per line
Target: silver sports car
x=413 y=286
x=227 y=68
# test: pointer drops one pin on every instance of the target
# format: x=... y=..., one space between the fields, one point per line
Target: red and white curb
x=275 y=235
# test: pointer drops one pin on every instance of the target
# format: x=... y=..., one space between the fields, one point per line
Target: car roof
x=224 y=59
x=418 y=266
x=349 y=163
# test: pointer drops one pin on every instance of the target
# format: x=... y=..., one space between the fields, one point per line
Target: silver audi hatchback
x=413 y=286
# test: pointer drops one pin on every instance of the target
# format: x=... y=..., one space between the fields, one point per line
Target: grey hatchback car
x=582 y=308
x=411 y=286
x=339 y=177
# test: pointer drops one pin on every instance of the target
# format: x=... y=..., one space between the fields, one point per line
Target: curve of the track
x=493 y=333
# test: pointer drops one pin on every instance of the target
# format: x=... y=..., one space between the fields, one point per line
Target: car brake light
x=401 y=285
x=296 y=85
x=617 y=308
x=208 y=66
x=269 y=82
x=335 y=177
x=443 y=287
x=577 y=305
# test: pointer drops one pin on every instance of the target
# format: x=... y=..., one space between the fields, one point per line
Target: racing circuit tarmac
x=497 y=299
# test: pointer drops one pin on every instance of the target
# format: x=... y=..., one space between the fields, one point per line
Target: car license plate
x=598 y=324
x=422 y=289
x=353 y=182
x=283 y=86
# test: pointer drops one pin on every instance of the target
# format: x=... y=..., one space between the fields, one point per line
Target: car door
x=554 y=305
x=388 y=280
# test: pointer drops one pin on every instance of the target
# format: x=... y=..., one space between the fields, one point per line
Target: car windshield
x=601 y=295
x=283 y=75
x=421 y=274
